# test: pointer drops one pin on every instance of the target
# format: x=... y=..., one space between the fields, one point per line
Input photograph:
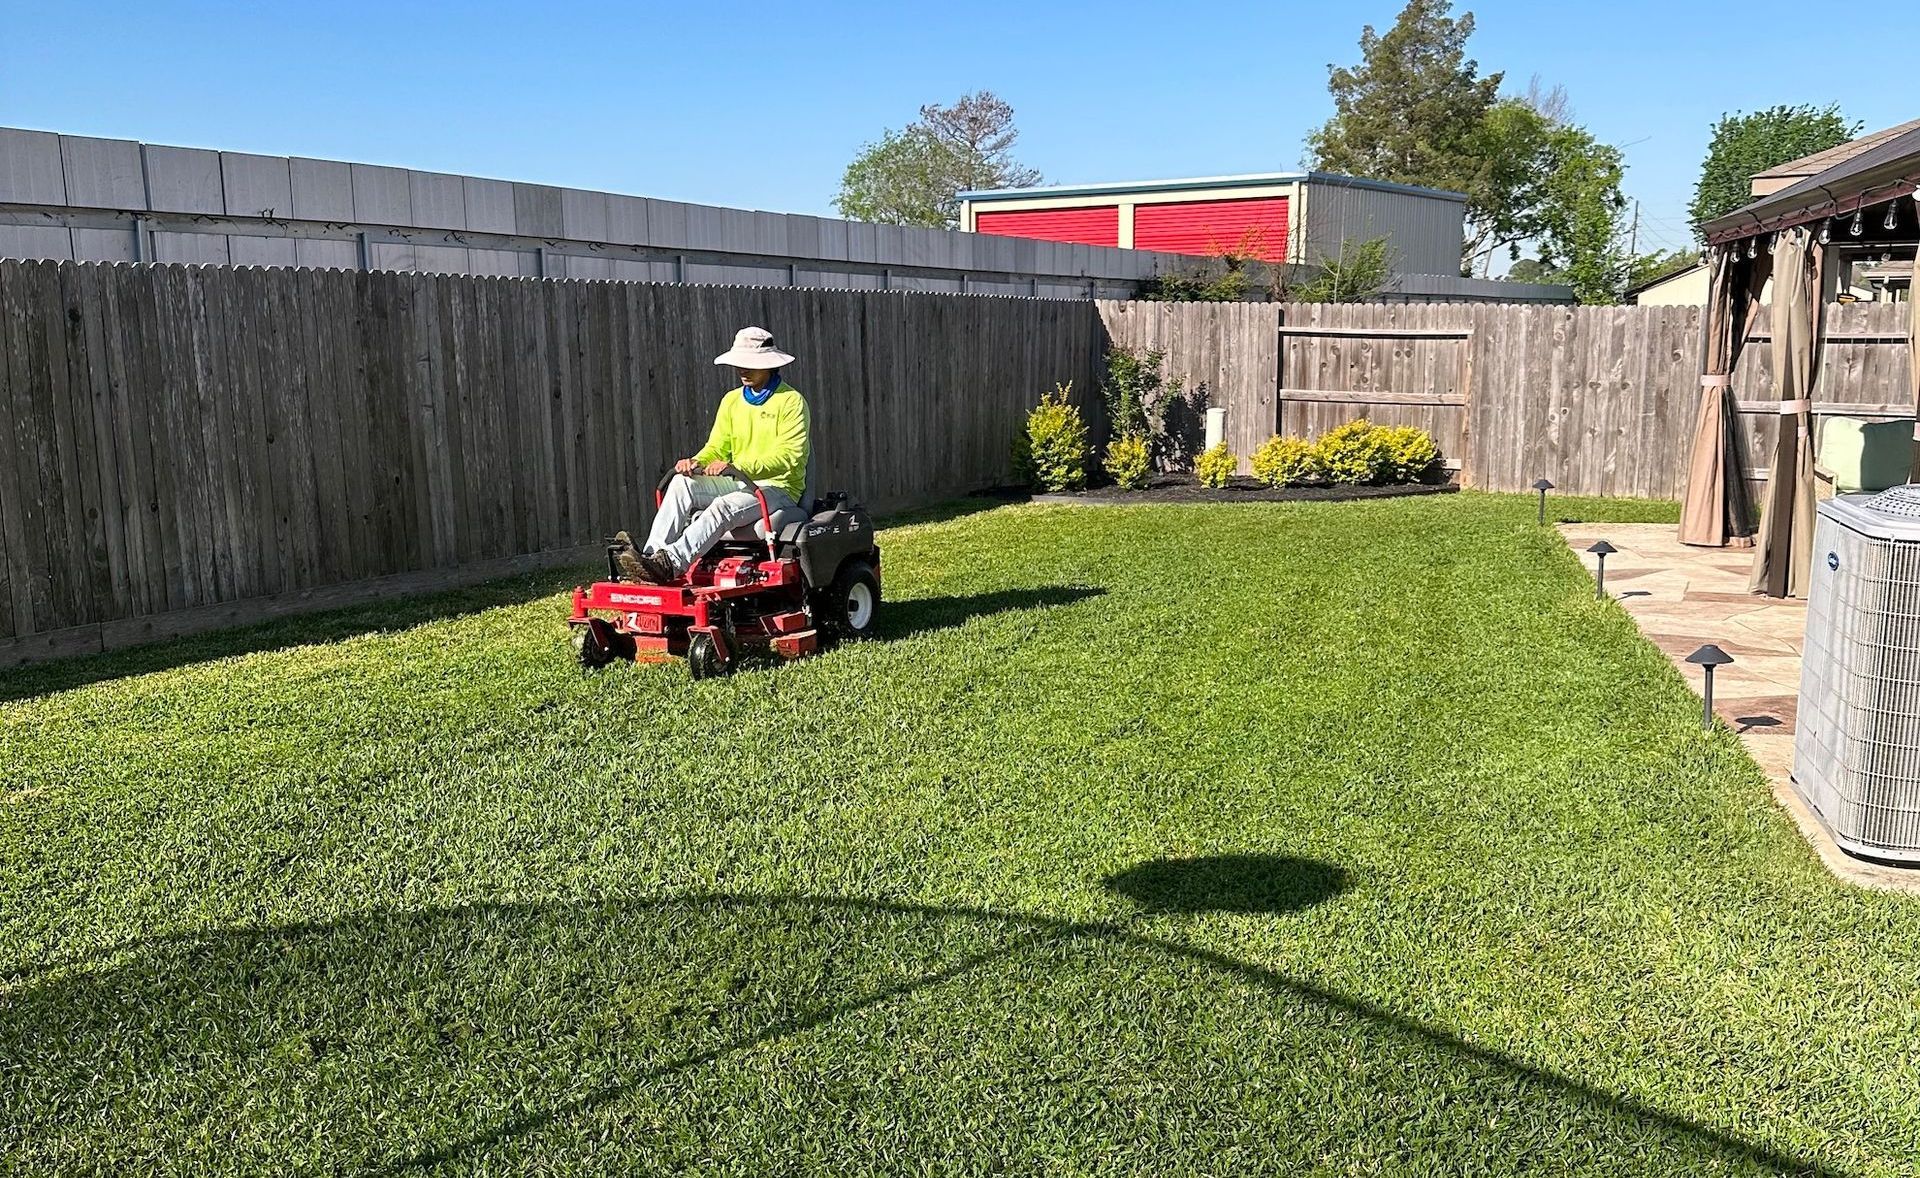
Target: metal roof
x=1250 y=180
x=1882 y=172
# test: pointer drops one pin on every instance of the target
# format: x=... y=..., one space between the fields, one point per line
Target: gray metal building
x=116 y=200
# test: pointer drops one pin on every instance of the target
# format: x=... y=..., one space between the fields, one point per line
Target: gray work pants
x=699 y=510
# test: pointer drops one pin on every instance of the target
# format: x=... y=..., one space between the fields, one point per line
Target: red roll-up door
x=1087 y=226
x=1257 y=227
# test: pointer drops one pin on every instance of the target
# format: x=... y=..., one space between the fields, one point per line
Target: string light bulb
x=1771 y=242
x=1855 y=226
x=1826 y=231
x=1893 y=221
x=1752 y=249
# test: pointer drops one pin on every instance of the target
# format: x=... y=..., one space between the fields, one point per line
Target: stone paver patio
x=1683 y=598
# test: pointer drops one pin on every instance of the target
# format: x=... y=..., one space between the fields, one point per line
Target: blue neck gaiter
x=759 y=396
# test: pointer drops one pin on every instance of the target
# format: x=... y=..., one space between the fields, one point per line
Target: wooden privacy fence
x=189 y=447
x=1601 y=400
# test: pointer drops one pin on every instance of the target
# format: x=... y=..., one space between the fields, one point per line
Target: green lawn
x=1336 y=838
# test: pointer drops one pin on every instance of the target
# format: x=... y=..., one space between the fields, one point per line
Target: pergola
x=1796 y=237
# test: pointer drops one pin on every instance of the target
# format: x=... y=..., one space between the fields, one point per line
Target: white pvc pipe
x=1216 y=427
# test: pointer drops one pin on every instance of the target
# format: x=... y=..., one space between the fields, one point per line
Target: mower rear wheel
x=849 y=606
x=703 y=658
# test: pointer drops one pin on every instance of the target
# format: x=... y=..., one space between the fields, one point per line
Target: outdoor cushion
x=1866 y=455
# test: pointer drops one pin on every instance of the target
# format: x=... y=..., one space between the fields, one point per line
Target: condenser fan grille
x=1857 y=748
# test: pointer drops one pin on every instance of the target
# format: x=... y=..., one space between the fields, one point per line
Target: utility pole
x=1633 y=235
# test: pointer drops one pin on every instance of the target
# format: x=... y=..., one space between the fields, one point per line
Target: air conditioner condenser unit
x=1856 y=748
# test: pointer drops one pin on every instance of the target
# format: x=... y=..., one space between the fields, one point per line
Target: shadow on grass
x=1268 y=884
x=335 y=625
x=649 y=1033
x=925 y=615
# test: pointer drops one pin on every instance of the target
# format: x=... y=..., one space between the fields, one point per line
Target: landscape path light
x=1601 y=549
x=1707 y=658
x=1542 y=486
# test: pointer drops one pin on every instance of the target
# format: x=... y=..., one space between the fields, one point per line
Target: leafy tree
x=1416 y=111
x=913 y=176
x=1412 y=111
x=1579 y=214
x=1534 y=270
x=1744 y=144
x=897 y=181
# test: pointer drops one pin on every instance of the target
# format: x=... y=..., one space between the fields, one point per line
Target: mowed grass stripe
x=1336 y=837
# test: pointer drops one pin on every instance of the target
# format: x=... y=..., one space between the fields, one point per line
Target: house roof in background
x=1888 y=169
x=1250 y=180
x=1820 y=161
x=1668 y=276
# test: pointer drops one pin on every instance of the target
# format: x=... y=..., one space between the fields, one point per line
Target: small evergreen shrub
x=1353 y=453
x=1362 y=452
x=1127 y=463
x=1057 y=441
x=1216 y=467
x=1412 y=456
x=1280 y=461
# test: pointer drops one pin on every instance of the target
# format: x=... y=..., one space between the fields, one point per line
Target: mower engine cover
x=832 y=535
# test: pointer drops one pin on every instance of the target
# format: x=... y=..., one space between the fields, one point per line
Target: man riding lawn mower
x=742 y=555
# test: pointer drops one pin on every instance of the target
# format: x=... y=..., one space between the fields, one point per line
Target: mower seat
x=786 y=522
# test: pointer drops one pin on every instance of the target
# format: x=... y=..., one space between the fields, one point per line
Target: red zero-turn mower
x=762 y=588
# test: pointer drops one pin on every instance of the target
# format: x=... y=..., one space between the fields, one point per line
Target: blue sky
x=761 y=105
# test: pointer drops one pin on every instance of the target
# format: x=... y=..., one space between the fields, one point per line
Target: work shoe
x=628 y=562
x=650 y=567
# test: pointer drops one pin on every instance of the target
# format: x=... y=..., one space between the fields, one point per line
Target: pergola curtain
x=1714 y=509
x=1783 y=556
x=1913 y=352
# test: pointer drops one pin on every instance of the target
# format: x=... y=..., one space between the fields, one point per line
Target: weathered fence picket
x=187 y=447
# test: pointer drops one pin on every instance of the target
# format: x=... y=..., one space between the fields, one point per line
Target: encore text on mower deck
x=778 y=586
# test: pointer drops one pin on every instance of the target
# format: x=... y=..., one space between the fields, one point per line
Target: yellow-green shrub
x=1411 y=453
x=1216 y=467
x=1353 y=453
x=1057 y=441
x=1280 y=461
x=1127 y=461
x=1362 y=452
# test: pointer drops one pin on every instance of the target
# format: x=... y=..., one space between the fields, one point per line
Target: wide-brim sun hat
x=753 y=350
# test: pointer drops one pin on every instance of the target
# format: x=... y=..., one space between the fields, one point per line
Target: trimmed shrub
x=1057 y=441
x=1411 y=454
x=1280 y=461
x=1353 y=453
x=1127 y=462
x=1362 y=452
x=1216 y=467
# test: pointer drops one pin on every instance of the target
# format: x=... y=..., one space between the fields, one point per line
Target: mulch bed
x=1180 y=488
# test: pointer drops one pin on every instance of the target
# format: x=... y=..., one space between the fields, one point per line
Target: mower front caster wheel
x=703 y=658
x=597 y=643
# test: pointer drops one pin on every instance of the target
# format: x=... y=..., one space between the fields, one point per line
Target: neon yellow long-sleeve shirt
x=768 y=442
